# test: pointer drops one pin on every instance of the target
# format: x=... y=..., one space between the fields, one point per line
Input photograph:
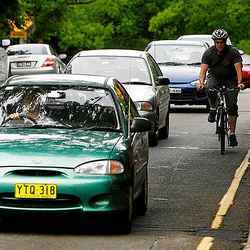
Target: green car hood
x=55 y=148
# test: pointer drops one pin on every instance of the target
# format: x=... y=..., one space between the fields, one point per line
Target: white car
x=141 y=77
x=34 y=58
x=201 y=38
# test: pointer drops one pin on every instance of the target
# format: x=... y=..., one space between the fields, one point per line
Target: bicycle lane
x=225 y=204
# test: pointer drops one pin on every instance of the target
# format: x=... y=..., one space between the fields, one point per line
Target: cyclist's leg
x=212 y=97
x=232 y=110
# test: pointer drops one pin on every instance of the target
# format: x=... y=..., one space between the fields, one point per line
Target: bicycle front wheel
x=222 y=132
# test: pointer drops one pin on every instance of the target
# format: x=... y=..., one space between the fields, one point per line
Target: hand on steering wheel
x=18 y=116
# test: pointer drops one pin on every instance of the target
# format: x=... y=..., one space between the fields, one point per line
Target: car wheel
x=207 y=107
x=153 y=138
x=124 y=223
x=142 y=200
x=164 y=131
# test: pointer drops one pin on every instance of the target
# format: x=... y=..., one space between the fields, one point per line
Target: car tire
x=207 y=107
x=142 y=200
x=164 y=131
x=124 y=223
x=153 y=139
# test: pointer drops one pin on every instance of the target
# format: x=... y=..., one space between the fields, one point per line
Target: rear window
x=33 y=49
x=125 y=69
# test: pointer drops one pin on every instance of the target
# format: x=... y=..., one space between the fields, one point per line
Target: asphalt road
x=189 y=182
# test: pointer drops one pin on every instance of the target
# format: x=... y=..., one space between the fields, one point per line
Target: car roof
x=27 y=44
x=112 y=52
x=59 y=79
x=208 y=37
x=177 y=42
x=198 y=35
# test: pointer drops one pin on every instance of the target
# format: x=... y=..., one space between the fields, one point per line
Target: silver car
x=141 y=77
x=34 y=58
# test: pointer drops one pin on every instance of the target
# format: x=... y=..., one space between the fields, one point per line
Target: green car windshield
x=57 y=106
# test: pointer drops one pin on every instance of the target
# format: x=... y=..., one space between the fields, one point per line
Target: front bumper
x=189 y=96
x=28 y=71
x=88 y=194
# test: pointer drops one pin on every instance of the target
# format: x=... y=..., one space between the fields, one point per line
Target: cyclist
x=224 y=66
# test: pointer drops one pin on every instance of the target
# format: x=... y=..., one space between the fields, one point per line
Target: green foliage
x=8 y=9
x=46 y=15
x=244 y=45
x=126 y=23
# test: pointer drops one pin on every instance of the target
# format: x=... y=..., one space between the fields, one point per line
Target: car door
x=138 y=142
x=161 y=91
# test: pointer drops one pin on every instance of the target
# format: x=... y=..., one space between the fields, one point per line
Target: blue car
x=180 y=62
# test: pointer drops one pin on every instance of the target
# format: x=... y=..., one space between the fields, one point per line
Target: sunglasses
x=219 y=42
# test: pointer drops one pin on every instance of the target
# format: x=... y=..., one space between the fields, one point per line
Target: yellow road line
x=226 y=202
x=205 y=243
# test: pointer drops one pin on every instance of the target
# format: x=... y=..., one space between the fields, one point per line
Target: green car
x=72 y=144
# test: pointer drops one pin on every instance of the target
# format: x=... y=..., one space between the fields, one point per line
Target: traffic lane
x=183 y=197
x=197 y=177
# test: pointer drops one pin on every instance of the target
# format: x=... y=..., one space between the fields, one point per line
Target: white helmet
x=219 y=34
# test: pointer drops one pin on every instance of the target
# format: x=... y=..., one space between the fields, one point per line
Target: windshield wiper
x=195 y=63
x=18 y=52
x=171 y=63
x=137 y=82
x=109 y=129
x=50 y=126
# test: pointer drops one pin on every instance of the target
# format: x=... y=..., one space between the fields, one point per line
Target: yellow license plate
x=37 y=191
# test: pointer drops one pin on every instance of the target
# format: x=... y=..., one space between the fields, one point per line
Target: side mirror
x=5 y=42
x=141 y=124
x=163 y=80
x=68 y=69
x=62 y=56
x=241 y=51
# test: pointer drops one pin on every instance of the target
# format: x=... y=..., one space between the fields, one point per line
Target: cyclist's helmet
x=219 y=34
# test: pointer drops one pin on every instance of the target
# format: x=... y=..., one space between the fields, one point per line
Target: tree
x=8 y=9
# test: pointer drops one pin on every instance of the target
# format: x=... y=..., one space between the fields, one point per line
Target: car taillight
x=48 y=62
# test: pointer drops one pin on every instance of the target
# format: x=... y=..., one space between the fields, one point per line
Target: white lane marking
x=159 y=199
x=200 y=149
x=161 y=167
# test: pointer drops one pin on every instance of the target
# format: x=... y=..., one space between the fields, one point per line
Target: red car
x=246 y=69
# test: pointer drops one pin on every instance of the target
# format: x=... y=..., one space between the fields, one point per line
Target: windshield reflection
x=57 y=107
x=177 y=54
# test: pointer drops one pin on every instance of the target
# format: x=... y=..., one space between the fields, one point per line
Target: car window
x=125 y=101
x=57 y=106
x=125 y=69
x=154 y=67
x=176 y=53
x=27 y=49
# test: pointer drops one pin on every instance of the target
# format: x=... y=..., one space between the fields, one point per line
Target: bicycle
x=222 y=116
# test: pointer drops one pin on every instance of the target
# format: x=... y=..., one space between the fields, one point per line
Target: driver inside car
x=31 y=108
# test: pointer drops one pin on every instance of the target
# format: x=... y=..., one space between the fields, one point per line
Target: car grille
x=62 y=201
x=35 y=172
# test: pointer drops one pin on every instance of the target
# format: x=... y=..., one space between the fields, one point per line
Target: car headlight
x=100 y=167
x=194 y=83
x=144 y=106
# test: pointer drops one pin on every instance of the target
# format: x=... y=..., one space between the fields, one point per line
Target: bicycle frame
x=222 y=119
x=222 y=116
